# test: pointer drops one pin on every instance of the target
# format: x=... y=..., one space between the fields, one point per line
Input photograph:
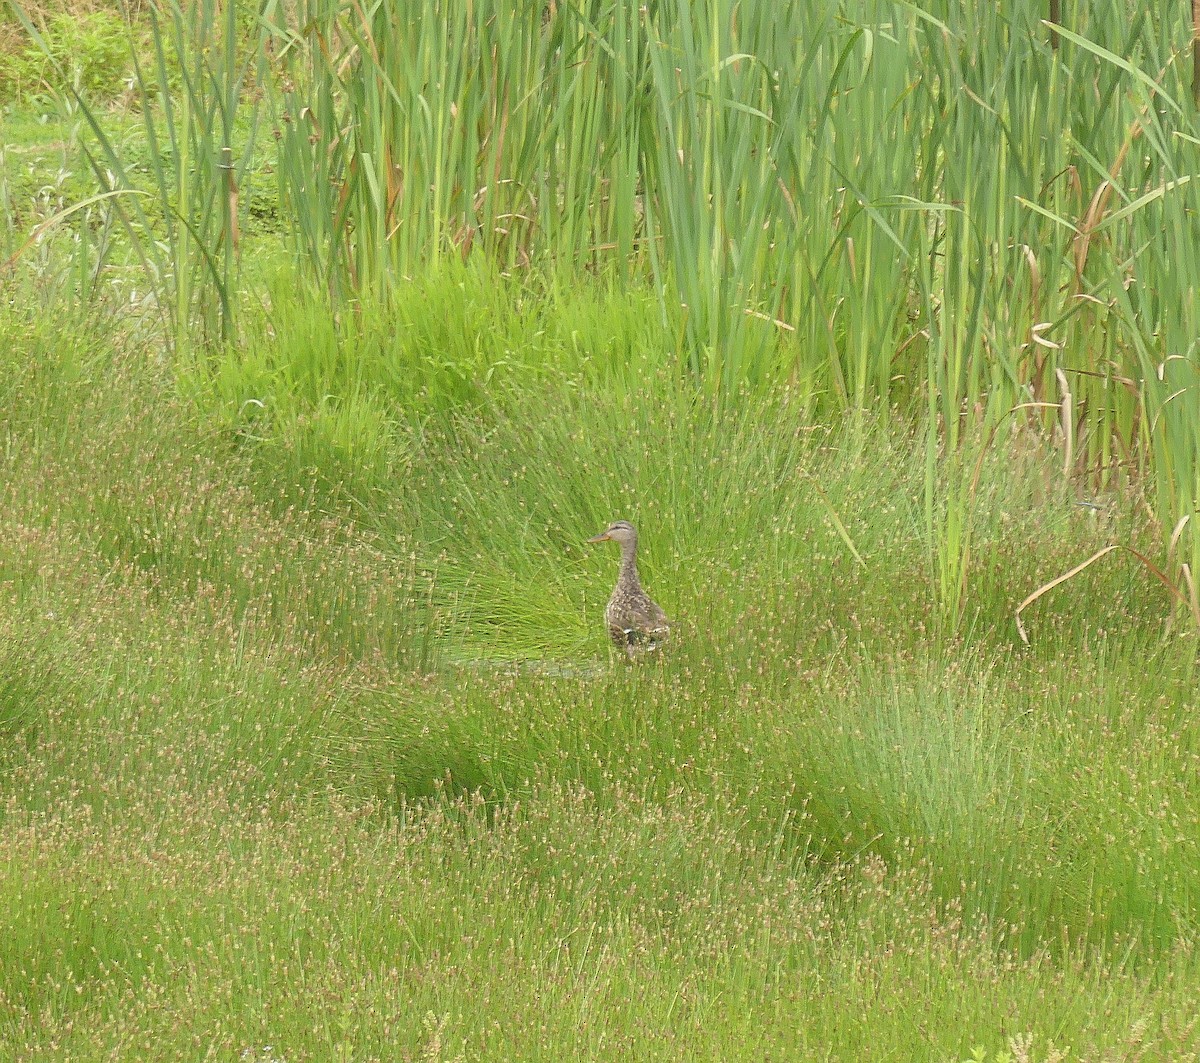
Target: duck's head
x=620 y=531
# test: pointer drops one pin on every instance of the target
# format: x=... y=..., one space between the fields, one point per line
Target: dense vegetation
x=875 y=319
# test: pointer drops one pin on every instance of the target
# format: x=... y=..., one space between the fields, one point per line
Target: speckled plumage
x=635 y=622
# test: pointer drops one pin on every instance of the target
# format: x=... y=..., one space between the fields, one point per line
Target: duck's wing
x=659 y=624
x=645 y=624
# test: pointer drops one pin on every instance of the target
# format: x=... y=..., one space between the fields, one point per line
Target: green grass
x=90 y=45
x=312 y=745
x=273 y=719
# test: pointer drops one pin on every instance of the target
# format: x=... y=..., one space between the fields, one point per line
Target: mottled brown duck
x=636 y=624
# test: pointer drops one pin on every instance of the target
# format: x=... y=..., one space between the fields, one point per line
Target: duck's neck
x=628 y=573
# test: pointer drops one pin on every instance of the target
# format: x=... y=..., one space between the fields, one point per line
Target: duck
x=636 y=623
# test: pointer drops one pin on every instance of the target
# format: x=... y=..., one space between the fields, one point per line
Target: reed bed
x=927 y=207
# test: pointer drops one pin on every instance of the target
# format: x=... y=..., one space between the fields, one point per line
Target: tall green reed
x=409 y=132
x=761 y=162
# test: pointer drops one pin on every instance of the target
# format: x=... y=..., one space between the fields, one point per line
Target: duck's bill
x=601 y=538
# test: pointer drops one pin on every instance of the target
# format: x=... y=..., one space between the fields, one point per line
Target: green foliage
x=259 y=729
x=1033 y=268
x=303 y=679
x=343 y=396
x=719 y=148
x=92 y=49
x=191 y=78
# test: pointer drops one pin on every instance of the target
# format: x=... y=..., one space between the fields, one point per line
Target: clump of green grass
x=90 y=46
